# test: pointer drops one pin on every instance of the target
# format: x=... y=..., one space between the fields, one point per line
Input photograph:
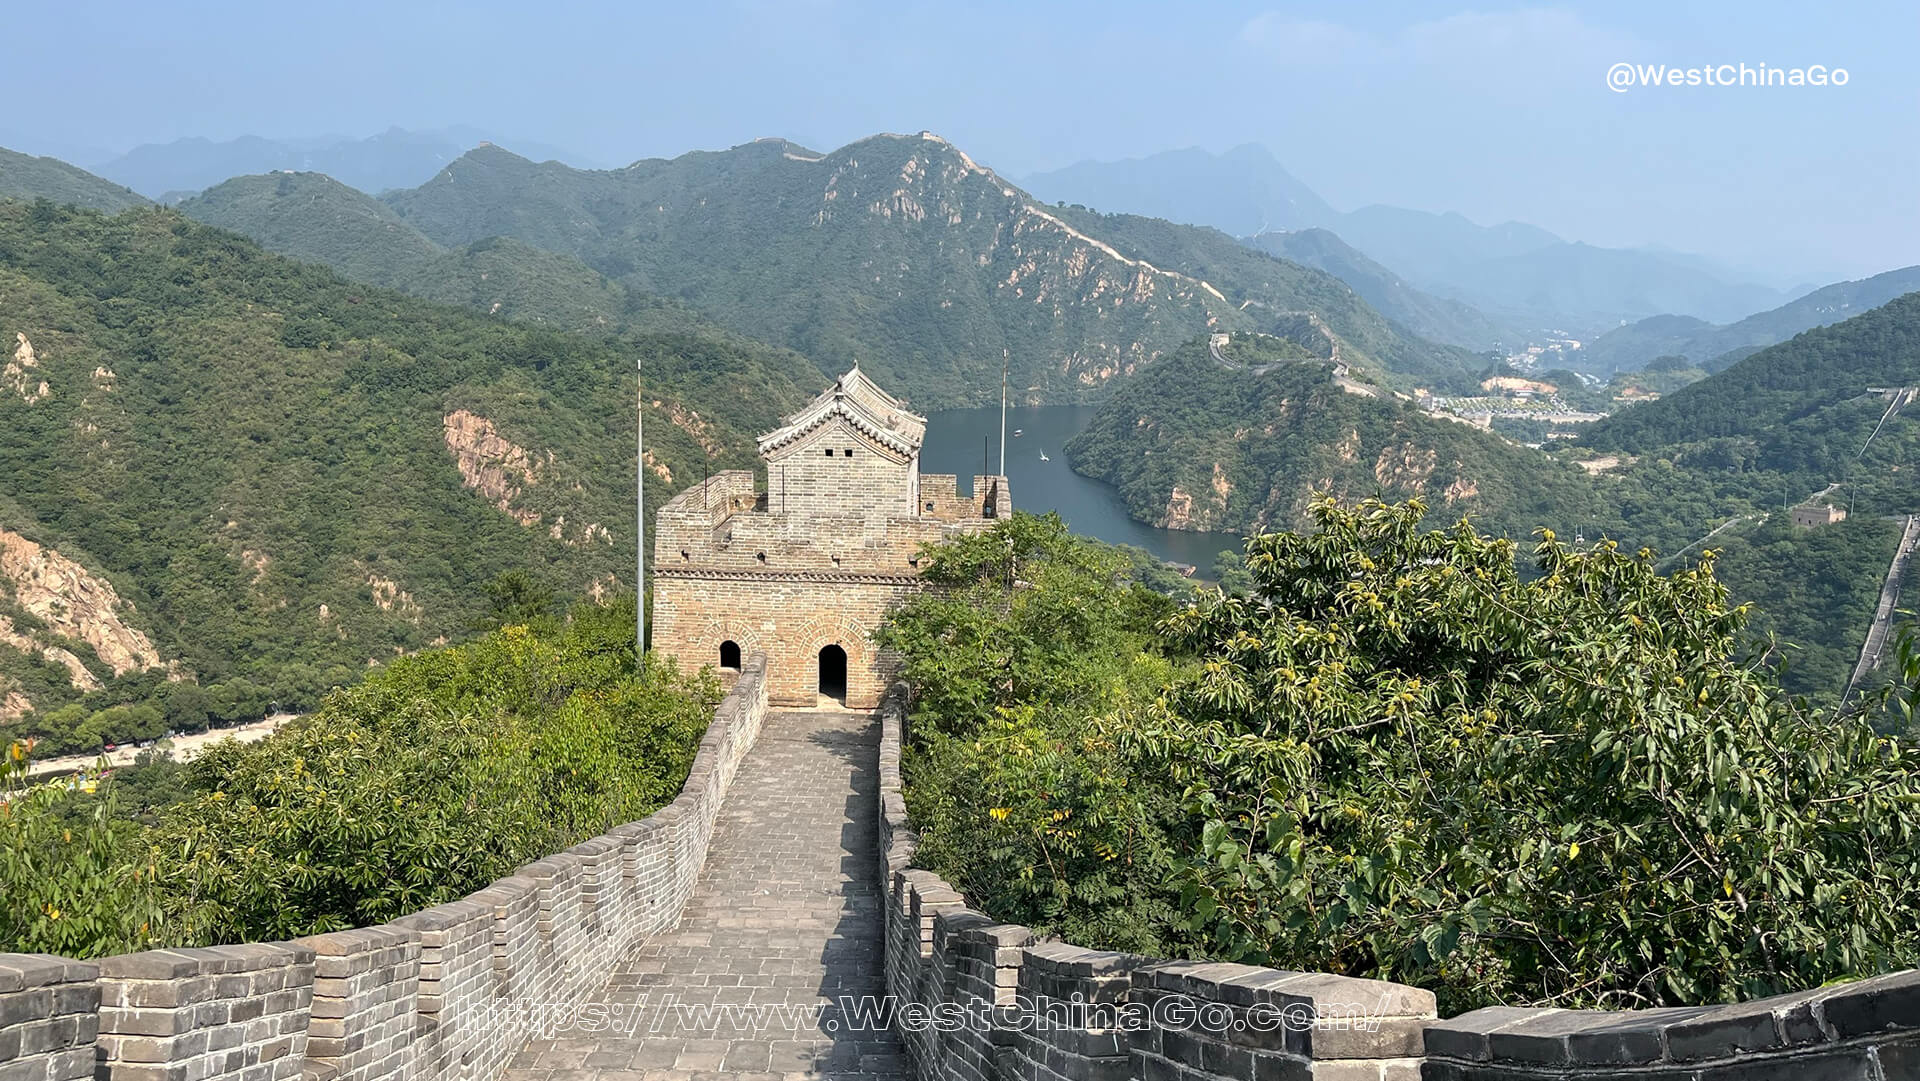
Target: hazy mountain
x=25 y=177
x=392 y=159
x=1242 y=192
x=1590 y=287
x=1715 y=347
x=1515 y=273
x=1430 y=316
x=904 y=253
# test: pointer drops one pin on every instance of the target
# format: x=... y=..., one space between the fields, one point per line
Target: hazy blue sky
x=1498 y=111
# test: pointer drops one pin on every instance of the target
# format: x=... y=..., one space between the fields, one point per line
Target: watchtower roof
x=868 y=409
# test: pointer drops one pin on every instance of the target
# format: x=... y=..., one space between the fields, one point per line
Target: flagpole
x=1003 y=412
x=640 y=517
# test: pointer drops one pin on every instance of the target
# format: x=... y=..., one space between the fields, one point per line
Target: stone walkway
x=785 y=921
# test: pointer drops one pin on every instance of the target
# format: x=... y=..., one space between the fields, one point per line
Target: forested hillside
x=280 y=476
x=1192 y=444
x=1819 y=369
x=903 y=253
x=25 y=177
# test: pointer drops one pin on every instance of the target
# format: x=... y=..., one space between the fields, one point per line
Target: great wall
x=769 y=923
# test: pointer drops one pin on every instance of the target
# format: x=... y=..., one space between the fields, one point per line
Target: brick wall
x=836 y=470
x=1109 y=1016
x=446 y=994
x=790 y=584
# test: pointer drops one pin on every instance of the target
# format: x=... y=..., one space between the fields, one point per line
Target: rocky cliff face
x=506 y=475
x=63 y=601
x=21 y=374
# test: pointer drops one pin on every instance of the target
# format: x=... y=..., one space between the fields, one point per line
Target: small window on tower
x=848 y=452
x=829 y=452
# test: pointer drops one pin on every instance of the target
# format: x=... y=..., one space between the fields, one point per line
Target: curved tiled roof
x=867 y=409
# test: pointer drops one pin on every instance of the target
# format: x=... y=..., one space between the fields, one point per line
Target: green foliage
x=1396 y=756
x=433 y=777
x=1814 y=581
x=1820 y=368
x=1015 y=797
x=53 y=182
x=71 y=882
x=1250 y=450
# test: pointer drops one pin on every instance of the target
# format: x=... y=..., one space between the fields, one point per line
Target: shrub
x=431 y=778
x=1398 y=757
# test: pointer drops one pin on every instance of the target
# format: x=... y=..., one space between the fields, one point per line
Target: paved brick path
x=784 y=922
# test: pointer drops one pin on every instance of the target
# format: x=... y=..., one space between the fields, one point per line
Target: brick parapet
x=445 y=994
x=1207 y=1021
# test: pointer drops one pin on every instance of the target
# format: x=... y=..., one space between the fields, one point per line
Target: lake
x=953 y=445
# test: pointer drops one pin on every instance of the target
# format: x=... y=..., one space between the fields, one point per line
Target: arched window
x=730 y=655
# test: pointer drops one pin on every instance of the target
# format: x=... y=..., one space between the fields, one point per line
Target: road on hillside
x=181 y=747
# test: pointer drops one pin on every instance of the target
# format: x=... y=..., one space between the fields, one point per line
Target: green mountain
x=1822 y=370
x=311 y=216
x=273 y=474
x=316 y=218
x=27 y=178
x=1192 y=444
x=1429 y=316
x=1715 y=347
x=903 y=252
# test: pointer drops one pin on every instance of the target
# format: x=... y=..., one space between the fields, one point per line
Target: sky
x=1498 y=111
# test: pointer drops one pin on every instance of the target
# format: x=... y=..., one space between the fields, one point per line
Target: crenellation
x=812 y=565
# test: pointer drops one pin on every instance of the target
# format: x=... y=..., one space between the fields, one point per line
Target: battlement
x=807 y=569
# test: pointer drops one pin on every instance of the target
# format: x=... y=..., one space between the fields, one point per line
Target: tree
x=514 y=597
x=1404 y=760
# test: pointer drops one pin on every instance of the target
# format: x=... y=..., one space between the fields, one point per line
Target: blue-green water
x=954 y=445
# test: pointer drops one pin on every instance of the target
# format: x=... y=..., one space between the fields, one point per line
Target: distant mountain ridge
x=1715 y=347
x=1439 y=318
x=395 y=158
x=1248 y=192
x=1818 y=369
x=905 y=253
x=1512 y=271
x=834 y=254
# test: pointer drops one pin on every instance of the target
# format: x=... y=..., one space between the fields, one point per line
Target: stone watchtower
x=807 y=569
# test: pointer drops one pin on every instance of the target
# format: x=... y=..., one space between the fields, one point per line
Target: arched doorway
x=833 y=672
x=730 y=655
